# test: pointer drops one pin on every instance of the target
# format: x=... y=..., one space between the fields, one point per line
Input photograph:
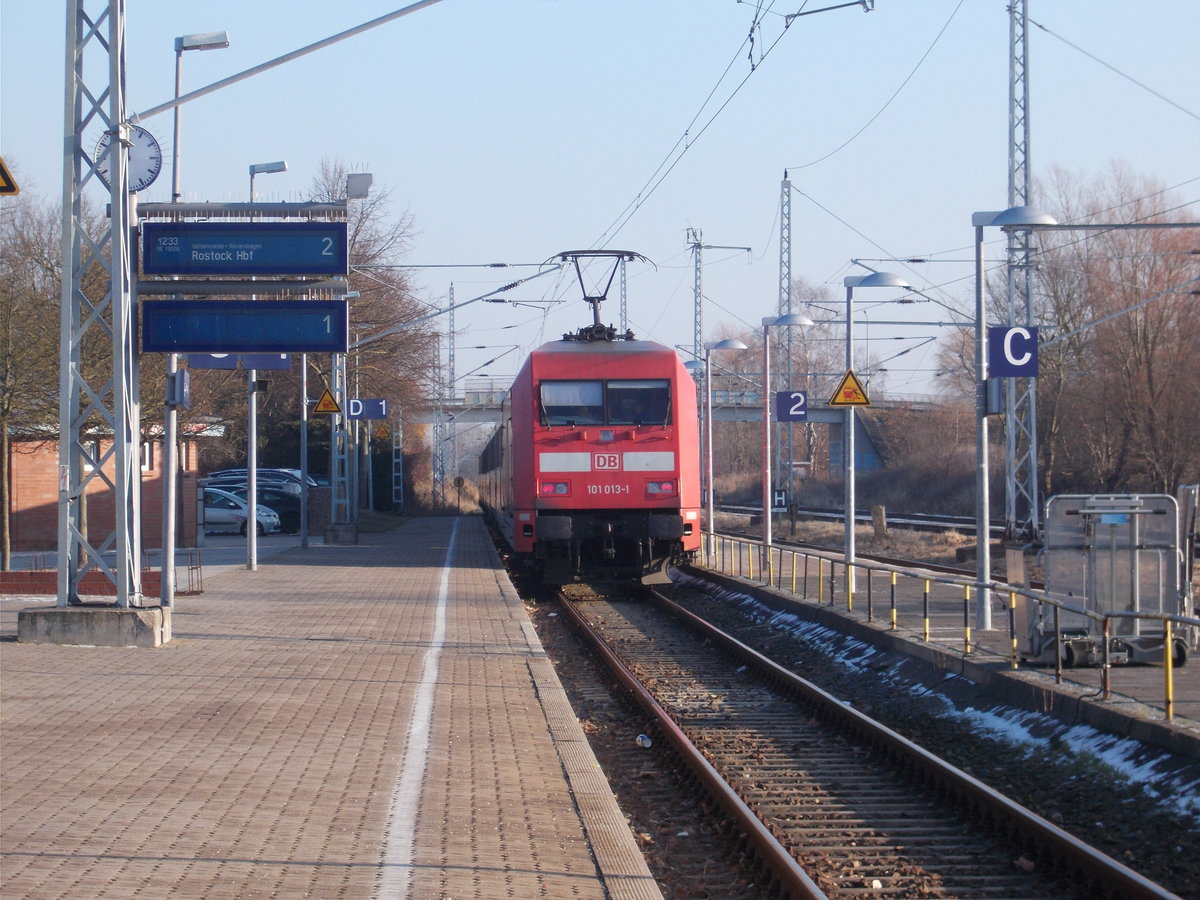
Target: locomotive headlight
x=660 y=488
x=555 y=488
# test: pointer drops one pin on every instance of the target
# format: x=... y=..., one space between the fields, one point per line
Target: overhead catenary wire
x=1176 y=289
x=1115 y=70
x=687 y=139
x=896 y=93
x=901 y=87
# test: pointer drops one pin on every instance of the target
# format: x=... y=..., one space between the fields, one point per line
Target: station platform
x=369 y=720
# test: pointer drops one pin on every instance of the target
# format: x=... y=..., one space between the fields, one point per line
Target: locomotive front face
x=614 y=461
x=606 y=444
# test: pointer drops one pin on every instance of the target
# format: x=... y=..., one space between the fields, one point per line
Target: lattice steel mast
x=786 y=446
x=94 y=407
x=1021 y=512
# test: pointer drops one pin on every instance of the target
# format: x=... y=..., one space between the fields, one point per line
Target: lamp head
x=727 y=344
x=876 y=279
x=206 y=40
x=268 y=167
x=1013 y=217
x=789 y=319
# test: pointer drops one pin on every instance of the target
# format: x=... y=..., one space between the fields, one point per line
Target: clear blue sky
x=514 y=129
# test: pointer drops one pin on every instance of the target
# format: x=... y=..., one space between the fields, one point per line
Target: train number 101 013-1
x=608 y=489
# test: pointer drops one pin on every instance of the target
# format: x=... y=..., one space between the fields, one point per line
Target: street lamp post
x=267 y=168
x=709 y=490
x=769 y=322
x=252 y=415
x=1015 y=217
x=212 y=40
x=875 y=279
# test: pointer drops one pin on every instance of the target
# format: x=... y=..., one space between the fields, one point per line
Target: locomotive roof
x=602 y=348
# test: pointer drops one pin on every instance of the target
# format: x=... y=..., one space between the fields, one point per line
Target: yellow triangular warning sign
x=327 y=404
x=382 y=432
x=8 y=184
x=849 y=392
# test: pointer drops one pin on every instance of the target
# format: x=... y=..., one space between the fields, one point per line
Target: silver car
x=225 y=512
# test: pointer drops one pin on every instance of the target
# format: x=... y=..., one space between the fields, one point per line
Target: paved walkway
x=347 y=721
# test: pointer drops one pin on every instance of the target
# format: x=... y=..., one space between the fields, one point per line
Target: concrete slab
x=95 y=626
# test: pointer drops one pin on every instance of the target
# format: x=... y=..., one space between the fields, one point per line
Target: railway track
x=911 y=521
x=833 y=803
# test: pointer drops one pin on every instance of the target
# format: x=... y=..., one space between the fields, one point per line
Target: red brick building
x=32 y=497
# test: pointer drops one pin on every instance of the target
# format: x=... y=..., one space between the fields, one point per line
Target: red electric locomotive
x=593 y=471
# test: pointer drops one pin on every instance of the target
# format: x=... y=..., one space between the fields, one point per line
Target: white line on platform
x=400 y=838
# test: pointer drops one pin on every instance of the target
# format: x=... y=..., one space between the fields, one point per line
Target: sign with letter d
x=1012 y=352
x=367 y=409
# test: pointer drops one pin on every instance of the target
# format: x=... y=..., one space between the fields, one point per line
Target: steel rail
x=790 y=875
x=913 y=521
x=1110 y=877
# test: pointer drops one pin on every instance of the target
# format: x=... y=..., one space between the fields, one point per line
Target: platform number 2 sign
x=791 y=406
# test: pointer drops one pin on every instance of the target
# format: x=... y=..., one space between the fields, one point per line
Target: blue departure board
x=245 y=326
x=248 y=249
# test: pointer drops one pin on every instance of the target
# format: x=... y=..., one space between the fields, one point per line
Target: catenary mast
x=1021 y=513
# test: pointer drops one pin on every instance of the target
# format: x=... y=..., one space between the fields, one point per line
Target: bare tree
x=816 y=365
x=1118 y=380
x=397 y=367
x=30 y=275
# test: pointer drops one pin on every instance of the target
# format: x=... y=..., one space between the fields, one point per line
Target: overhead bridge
x=728 y=406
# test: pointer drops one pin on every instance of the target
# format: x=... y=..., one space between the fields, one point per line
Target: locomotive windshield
x=573 y=402
x=639 y=402
x=615 y=402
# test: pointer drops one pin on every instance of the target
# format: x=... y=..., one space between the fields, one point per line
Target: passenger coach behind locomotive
x=593 y=471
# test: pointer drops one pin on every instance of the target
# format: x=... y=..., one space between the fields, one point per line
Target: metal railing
x=809 y=574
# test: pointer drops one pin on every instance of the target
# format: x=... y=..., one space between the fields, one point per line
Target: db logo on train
x=609 y=461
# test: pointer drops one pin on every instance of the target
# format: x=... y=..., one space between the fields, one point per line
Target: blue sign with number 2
x=791 y=406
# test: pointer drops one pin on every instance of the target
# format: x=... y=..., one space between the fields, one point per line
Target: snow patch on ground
x=1024 y=731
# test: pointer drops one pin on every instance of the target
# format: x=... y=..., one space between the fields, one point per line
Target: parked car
x=229 y=478
x=225 y=512
x=288 y=475
x=277 y=498
x=233 y=483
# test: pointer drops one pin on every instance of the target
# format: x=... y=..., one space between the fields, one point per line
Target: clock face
x=145 y=158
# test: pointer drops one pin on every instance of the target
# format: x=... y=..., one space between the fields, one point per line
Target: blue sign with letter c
x=1012 y=351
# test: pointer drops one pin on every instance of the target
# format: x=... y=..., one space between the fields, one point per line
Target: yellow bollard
x=925 y=608
x=1168 y=671
x=1013 y=657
